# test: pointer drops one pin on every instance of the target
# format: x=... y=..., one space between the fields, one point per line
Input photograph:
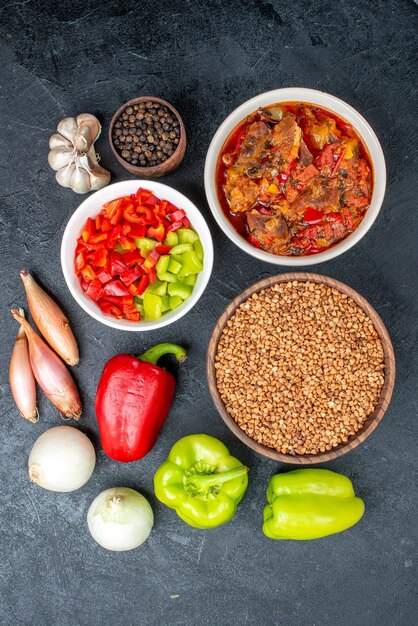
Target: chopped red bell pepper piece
x=88 y=230
x=131 y=275
x=132 y=257
x=127 y=243
x=142 y=194
x=120 y=301
x=130 y=215
x=98 y=221
x=117 y=264
x=151 y=259
x=177 y=215
x=151 y=200
x=114 y=236
x=104 y=276
x=170 y=208
x=109 y=309
x=88 y=273
x=174 y=226
x=126 y=228
x=133 y=289
x=94 y=290
x=157 y=232
x=106 y=225
x=115 y=288
x=186 y=222
x=143 y=284
x=138 y=230
x=114 y=210
x=152 y=276
x=132 y=317
x=80 y=261
x=163 y=249
x=313 y=216
x=100 y=257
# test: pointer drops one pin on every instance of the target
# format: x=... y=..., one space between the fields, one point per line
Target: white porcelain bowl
x=90 y=208
x=297 y=94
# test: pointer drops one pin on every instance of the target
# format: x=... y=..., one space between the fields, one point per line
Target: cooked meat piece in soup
x=271 y=231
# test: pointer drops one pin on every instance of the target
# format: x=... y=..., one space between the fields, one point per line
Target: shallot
x=50 y=320
x=120 y=519
x=22 y=380
x=50 y=372
x=62 y=459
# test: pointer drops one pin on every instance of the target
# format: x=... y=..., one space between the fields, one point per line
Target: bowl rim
x=97 y=199
x=373 y=419
x=171 y=163
x=327 y=101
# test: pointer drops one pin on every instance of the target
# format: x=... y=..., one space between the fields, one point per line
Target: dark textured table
x=64 y=58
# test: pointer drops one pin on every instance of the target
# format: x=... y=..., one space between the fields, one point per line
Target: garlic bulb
x=73 y=157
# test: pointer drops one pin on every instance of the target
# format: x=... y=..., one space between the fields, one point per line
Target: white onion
x=62 y=459
x=120 y=519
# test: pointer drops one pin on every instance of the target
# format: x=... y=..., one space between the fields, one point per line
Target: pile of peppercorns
x=146 y=134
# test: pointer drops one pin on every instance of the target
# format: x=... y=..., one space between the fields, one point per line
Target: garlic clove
x=64 y=175
x=59 y=141
x=83 y=139
x=60 y=157
x=99 y=177
x=68 y=128
x=80 y=180
x=91 y=122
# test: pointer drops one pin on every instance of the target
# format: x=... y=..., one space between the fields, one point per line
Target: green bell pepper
x=201 y=481
x=310 y=503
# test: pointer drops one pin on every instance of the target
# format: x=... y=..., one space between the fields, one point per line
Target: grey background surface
x=63 y=58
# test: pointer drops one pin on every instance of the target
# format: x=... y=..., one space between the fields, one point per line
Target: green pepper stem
x=153 y=354
x=201 y=482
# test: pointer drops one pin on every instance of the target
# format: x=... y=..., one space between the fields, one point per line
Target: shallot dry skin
x=50 y=320
x=22 y=380
x=50 y=372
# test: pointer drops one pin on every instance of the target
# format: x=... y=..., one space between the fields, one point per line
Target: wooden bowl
x=158 y=170
x=373 y=419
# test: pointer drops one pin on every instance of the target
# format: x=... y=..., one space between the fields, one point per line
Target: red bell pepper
x=133 y=399
x=313 y=216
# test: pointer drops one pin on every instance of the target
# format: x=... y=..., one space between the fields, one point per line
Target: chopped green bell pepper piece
x=152 y=306
x=145 y=245
x=310 y=503
x=175 y=301
x=181 y=247
x=174 y=266
x=171 y=239
x=190 y=279
x=191 y=264
x=201 y=481
x=179 y=289
x=198 y=248
x=158 y=288
x=165 y=304
x=187 y=235
x=140 y=308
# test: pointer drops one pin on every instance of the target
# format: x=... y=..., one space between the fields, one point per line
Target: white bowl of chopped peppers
x=295 y=176
x=137 y=255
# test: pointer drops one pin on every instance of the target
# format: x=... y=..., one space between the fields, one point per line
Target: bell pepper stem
x=210 y=480
x=153 y=354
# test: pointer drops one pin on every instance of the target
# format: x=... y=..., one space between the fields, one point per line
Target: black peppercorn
x=146 y=134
